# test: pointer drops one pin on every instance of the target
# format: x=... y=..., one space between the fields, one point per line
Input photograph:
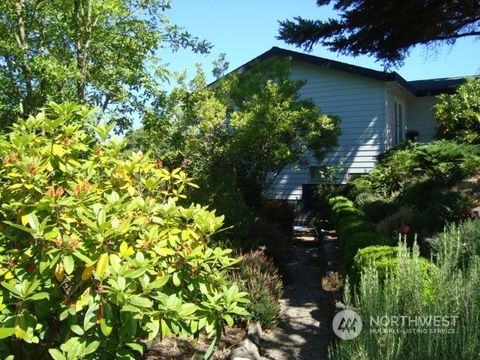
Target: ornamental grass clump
x=452 y=295
x=258 y=276
x=96 y=255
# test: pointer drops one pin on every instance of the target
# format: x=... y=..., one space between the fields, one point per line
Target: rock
x=246 y=350
x=255 y=333
x=249 y=348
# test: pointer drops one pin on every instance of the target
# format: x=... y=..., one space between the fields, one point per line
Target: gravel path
x=304 y=327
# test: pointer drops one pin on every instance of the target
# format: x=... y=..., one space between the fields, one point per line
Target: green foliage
x=431 y=179
x=254 y=122
x=452 y=290
x=353 y=230
x=322 y=194
x=103 y=53
x=375 y=207
x=376 y=255
x=275 y=239
x=349 y=245
x=96 y=254
x=440 y=163
x=353 y=223
x=458 y=115
x=258 y=276
x=281 y=213
x=462 y=240
x=385 y=260
x=391 y=38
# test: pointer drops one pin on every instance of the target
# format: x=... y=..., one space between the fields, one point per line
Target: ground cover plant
x=96 y=254
x=418 y=188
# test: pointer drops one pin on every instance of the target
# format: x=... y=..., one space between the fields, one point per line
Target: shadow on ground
x=304 y=330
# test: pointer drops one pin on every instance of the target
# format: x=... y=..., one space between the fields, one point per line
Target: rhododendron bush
x=96 y=254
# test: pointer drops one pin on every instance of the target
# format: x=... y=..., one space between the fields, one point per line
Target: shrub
x=436 y=164
x=385 y=260
x=353 y=224
x=358 y=240
x=377 y=254
x=346 y=212
x=281 y=213
x=459 y=244
x=452 y=292
x=322 y=194
x=359 y=185
x=339 y=201
x=392 y=225
x=225 y=197
x=257 y=275
x=276 y=241
x=95 y=252
x=378 y=208
x=458 y=114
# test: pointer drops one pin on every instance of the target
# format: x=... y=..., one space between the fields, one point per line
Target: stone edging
x=249 y=347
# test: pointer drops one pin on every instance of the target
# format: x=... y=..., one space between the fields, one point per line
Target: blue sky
x=245 y=29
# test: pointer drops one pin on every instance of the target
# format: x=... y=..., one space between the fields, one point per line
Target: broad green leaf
x=10 y=287
x=140 y=301
x=33 y=221
x=228 y=319
x=92 y=347
x=159 y=283
x=106 y=324
x=176 y=279
x=77 y=329
x=125 y=250
x=6 y=332
x=39 y=296
x=90 y=318
x=58 y=150
x=68 y=264
x=136 y=347
x=56 y=354
x=165 y=329
x=165 y=251
x=102 y=266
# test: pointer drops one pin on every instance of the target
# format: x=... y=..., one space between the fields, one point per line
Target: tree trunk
x=83 y=27
x=21 y=37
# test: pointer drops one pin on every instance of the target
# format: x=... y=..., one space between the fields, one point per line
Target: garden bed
x=174 y=348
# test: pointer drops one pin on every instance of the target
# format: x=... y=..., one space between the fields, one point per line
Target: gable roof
x=419 y=88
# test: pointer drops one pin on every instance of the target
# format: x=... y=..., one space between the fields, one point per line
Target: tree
x=249 y=124
x=385 y=29
x=103 y=53
x=458 y=115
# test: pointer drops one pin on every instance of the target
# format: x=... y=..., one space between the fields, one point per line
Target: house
x=377 y=109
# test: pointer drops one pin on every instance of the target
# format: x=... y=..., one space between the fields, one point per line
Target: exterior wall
x=420 y=117
x=395 y=95
x=360 y=103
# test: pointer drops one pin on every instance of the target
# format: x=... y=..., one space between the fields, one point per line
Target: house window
x=399 y=124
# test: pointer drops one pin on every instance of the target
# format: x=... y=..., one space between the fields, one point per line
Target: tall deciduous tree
x=104 y=53
x=385 y=29
x=253 y=123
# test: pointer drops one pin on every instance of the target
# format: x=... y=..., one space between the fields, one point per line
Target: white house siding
x=360 y=103
x=420 y=117
x=395 y=94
